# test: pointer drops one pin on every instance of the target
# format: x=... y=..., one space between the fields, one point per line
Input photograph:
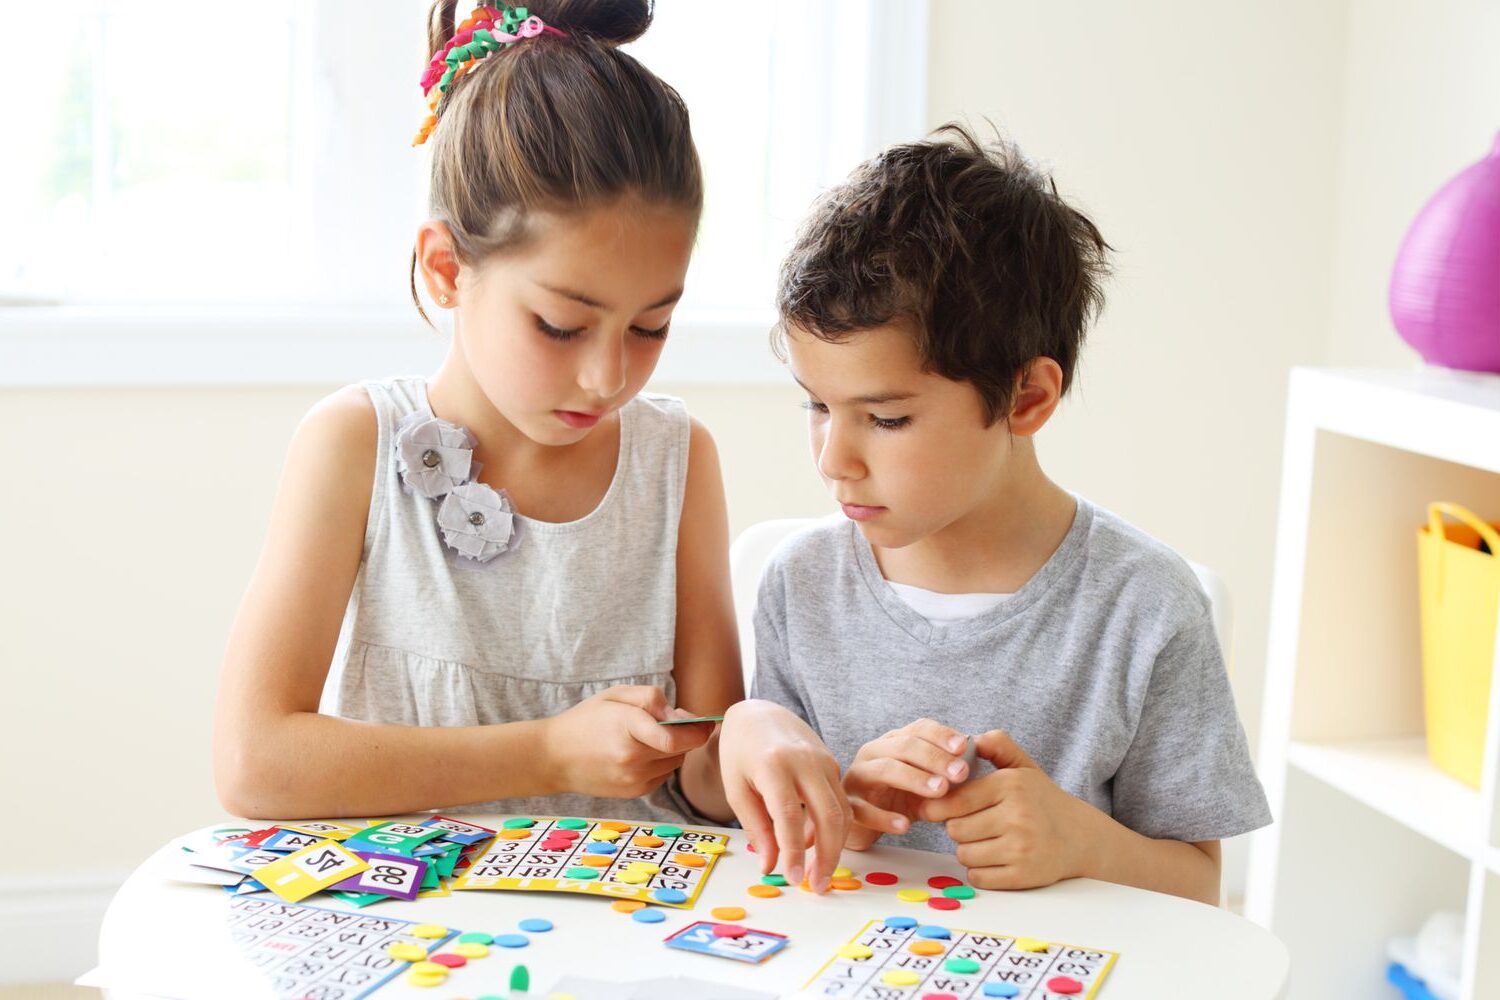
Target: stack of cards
x=358 y=863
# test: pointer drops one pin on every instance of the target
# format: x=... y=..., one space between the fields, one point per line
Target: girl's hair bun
x=612 y=22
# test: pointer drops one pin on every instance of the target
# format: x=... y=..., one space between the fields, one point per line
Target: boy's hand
x=893 y=775
x=1015 y=829
x=773 y=766
x=611 y=744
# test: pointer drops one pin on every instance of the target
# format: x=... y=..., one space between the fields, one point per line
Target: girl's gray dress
x=434 y=639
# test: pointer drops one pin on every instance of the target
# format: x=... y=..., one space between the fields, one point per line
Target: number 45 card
x=315 y=867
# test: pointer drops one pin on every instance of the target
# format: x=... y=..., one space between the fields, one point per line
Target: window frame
x=69 y=346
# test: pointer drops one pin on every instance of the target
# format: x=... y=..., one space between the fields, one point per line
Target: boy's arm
x=1016 y=829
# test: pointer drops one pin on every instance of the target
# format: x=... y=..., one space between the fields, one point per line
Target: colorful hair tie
x=484 y=31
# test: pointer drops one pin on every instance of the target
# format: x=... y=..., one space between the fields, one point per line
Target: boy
x=933 y=308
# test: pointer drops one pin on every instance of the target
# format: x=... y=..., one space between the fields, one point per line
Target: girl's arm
x=774 y=774
x=275 y=756
x=706 y=659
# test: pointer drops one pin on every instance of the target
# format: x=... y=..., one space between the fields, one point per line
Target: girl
x=517 y=568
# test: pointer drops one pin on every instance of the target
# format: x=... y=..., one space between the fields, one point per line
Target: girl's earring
x=442 y=300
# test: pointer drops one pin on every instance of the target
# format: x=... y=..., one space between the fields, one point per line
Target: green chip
x=571 y=824
x=581 y=872
x=518 y=823
x=667 y=830
x=959 y=892
x=476 y=937
x=773 y=879
x=961 y=966
x=520 y=979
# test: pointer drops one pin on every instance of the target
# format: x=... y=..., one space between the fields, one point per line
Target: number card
x=457 y=832
x=392 y=838
x=884 y=961
x=310 y=952
x=387 y=875
x=655 y=863
x=751 y=946
x=304 y=872
x=322 y=829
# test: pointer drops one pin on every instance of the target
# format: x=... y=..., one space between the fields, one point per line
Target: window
x=174 y=163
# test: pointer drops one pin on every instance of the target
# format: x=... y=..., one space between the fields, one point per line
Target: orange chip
x=615 y=825
x=690 y=860
x=514 y=834
x=597 y=860
x=728 y=913
x=646 y=840
x=627 y=905
x=847 y=883
x=764 y=891
x=925 y=947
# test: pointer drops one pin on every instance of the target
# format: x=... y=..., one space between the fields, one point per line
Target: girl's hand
x=612 y=745
x=774 y=766
x=1015 y=829
x=893 y=775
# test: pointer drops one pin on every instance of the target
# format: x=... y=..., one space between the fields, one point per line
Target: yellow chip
x=471 y=949
x=842 y=873
x=428 y=978
x=1031 y=944
x=913 y=895
x=632 y=877
x=425 y=968
x=901 y=977
x=711 y=847
x=405 y=951
x=645 y=867
x=600 y=833
x=858 y=952
x=429 y=931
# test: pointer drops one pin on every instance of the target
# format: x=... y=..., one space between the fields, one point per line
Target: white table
x=1168 y=946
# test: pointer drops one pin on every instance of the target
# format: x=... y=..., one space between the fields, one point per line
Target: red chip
x=944 y=881
x=881 y=878
x=943 y=903
x=939 y=996
x=449 y=959
x=1064 y=984
x=729 y=930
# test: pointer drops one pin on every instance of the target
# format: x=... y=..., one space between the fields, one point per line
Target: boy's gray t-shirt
x=1104 y=667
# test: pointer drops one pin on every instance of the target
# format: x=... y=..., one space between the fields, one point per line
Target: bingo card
x=899 y=959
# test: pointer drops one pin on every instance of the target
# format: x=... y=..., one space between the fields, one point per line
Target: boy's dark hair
x=973 y=245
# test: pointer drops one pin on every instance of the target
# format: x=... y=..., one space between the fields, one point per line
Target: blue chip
x=933 y=931
x=1001 y=989
x=600 y=847
x=669 y=896
x=512 y=940
x=536 y=925
x=648 y=916
x=900 y=923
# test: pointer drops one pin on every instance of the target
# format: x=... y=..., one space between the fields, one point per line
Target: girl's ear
x=437 y=259
x=1038 y=391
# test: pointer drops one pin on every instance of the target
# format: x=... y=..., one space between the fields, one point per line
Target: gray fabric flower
x=477 y=521
x=432 y=455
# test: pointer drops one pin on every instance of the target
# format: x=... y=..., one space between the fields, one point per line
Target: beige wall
x=1253 y=164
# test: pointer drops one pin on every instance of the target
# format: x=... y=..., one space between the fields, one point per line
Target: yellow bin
x=1460 y=585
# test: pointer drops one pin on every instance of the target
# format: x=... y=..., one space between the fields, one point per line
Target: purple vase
x=1445 y=289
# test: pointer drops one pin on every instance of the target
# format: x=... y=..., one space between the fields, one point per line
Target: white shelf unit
x=1369 y=836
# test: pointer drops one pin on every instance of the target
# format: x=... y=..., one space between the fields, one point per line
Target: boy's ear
x=1038 y=391
x=437 y=259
